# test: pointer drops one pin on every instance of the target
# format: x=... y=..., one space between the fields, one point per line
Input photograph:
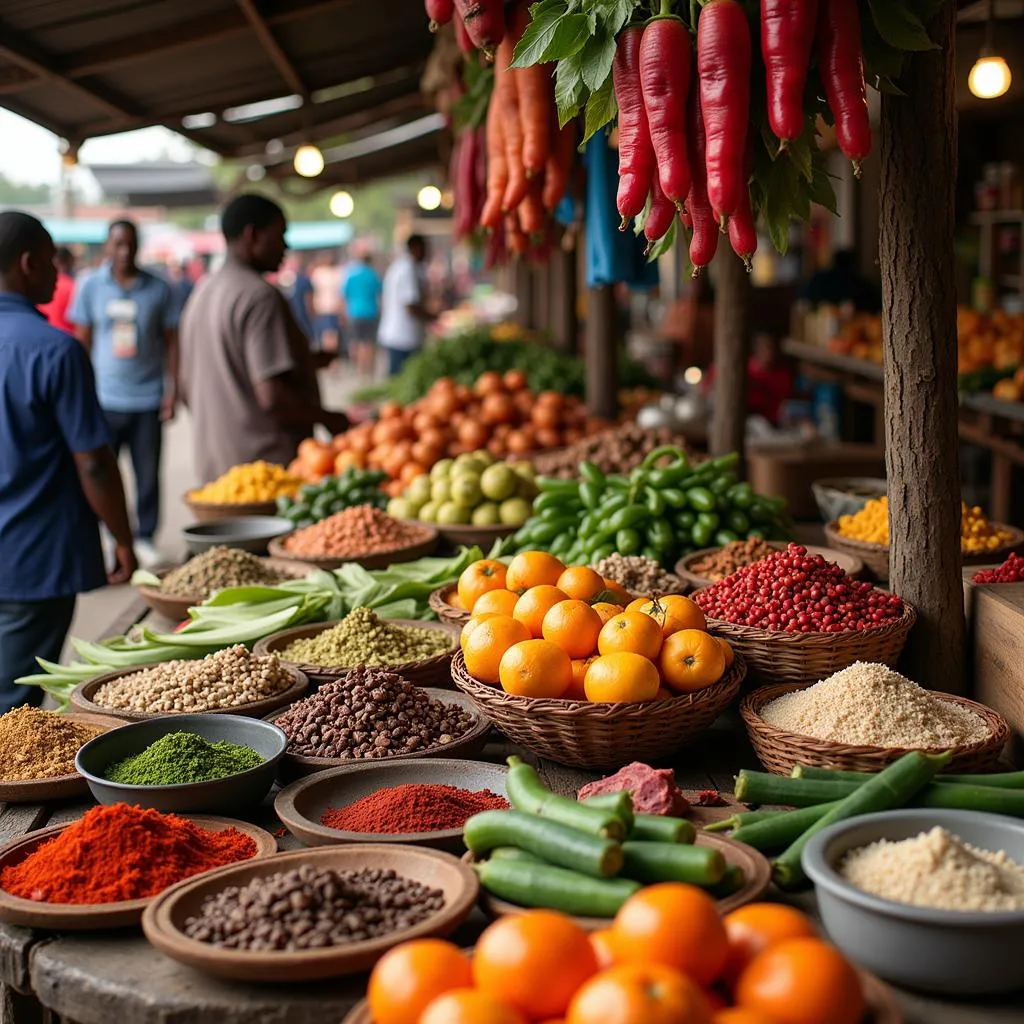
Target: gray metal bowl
x=228 y=794
x=845 y=496
x=960 y=952
x=250 y=533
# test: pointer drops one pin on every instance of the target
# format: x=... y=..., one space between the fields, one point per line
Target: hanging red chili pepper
x=497 y=165
x=742 y=228
x=787 y=35
x=485 y=22
x=659 y=216
x=723 y=66
x=704 y=240
x=636 y=154
x=841 y=65
x=439 y=12
x=466 y=45
x=536 y=101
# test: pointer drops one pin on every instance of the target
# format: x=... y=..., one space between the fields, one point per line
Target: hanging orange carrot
x=497 y=165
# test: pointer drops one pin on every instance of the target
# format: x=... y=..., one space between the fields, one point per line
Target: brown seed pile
x=619 y=450
x=216 y=569
x=362 y=530
x=312 y=908
x=38 y=744
x=716 y=565
x=370 y=713
x=640 y=575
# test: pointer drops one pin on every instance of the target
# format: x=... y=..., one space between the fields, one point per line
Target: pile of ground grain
x=38 y=744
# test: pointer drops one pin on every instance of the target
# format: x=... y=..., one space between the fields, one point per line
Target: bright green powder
x=182 y=757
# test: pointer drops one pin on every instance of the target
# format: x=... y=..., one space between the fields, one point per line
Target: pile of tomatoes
x=541 y=629
x=667 y=958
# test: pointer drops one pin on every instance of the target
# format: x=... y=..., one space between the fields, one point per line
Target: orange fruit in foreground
x=581 y=583
x=631 y=631
x=471 y=623
x=637 y=603
x=456 y=602
x=409 y=977
x=639 y=994
x=468 y=1006
x=616 y=591
x=534 y=604
x=534 y=961
x=574 y=626
x=606 y=610
x=730 y=654
x=621 y=677
x=500 y=602
x=488 y=642
x=802 y=981
x=483 y=575
x=737 y=1015
x=601 y=940
x=691 y=660
x=533 y=569
x=675 y=925
x=674 y=612
x=757 y=926
x=535 y=668
x=577 y=689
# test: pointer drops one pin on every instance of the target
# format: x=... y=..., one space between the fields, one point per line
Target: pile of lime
x=472 y=489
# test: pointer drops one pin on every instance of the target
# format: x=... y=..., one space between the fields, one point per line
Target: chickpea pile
x=361 y=530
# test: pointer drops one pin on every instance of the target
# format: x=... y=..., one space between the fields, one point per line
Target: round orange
x=471 y=623
x=483 y=575
x=691 y=660
x=574 y=626
x=534 y=962
x=533 y=569
x=637 y=603
x=500 y=602
x=535 y=668
x=581 y=583
x=674 y=612
x=630 y=631
x=730 y=654
x=606 y=610
x=621 y=677
x=469 y=1006
x=616 y=592
x=802 y=981
x=672 y=924
x=601 y=940
x=757 y=926
x=577 y=689
x=737 y=1015
x=487 y=643
x=534 y=604
x=410 y=976
x=639 y=994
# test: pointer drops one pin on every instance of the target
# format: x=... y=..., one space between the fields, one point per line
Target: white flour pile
x=871 y=705
x=936 y=869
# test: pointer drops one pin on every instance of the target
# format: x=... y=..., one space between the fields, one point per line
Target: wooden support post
x=732 y=301
x=522 y=283
x=918 y=154
x=601 y=349
x=541 y=283
x=565 y=323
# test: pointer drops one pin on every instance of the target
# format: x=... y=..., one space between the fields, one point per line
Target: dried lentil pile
x=362 y=638
x=38 y=744
x=872 y=705
x=216 y=569
x=226 y=679
x=640 y=575
x=312 y=908
x=716 y=565
x=370 y=713
x=936 y=869
x=362 y=530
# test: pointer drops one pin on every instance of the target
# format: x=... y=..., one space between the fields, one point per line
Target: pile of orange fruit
x=667 y=958
x=541 y=629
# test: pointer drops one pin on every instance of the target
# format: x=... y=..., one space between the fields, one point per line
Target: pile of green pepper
x=662 y=510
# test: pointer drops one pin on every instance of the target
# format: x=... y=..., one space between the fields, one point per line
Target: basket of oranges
x=581 y=674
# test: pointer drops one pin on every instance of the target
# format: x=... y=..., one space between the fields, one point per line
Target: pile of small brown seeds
x=370 y=713
x=216 y=569
x=716 y=565
x=38 y=744
x=312 y=908
x=640 y=575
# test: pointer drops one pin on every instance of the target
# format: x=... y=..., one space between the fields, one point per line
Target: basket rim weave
x=753 y=702
x=443 y=609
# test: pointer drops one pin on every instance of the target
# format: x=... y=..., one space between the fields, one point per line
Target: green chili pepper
x=756 y=534
x=552 y=499
x=678 y=454
x=700 y=499
x=561 y=544
x=723 y=483
x=558 y=512
x=655 y=502
x=737 y=521
x=545 y=532
x=659 y=534
x=673 y=497
x=552 y=485
x=611 y=504
x=685 y=519
x=592 y=474
x=588 y=524
x=701 y=535
x=603 y=552
x=724 y=537
x=590 y=494
x=712 y=520
x=740 y=495
x=631 y=515
x=627 y=542
x=651 y=553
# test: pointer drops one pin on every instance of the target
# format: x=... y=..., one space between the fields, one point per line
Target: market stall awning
x=157 y=184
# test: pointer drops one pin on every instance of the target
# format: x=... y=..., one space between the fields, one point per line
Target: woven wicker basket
x=600 y=736
x=852 y=566
x=446 y=612
x=780 y=750
x=779 y=657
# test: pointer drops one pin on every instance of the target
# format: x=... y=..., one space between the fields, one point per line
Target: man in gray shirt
x=247 y=374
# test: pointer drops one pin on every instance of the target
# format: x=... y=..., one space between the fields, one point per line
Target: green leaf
x=822 y=191
x=899 y=26
x=662 y=245
x=597 y=57
x=551 y=36
x=883 y=64
x=611 y=14
x=799 y=151
x=570 y=92
x=601 y=108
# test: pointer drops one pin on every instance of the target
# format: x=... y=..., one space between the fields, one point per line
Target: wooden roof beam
x=272 y=48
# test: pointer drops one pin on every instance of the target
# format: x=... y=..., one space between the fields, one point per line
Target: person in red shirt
x=770 y=379
x=56 y=310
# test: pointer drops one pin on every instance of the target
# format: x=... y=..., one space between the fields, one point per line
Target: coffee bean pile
x=312 y=908
x=370 y=713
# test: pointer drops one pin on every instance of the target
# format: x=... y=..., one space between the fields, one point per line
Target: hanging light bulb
x=342 y=204
x=429 y=198
x=990 y=77
x=309 y=161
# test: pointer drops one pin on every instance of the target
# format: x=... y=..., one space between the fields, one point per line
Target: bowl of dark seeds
x=311 y=914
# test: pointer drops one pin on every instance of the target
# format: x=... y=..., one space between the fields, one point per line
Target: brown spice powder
x=38 y=744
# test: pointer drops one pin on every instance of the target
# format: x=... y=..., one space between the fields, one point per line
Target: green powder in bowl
x=183 y=757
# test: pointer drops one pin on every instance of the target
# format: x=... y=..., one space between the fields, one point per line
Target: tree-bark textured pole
x=732 y=300
x=918 y=155
x=601 y=351
x=565 y=324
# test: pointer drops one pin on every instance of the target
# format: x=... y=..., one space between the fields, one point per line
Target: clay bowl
x=164 y=920
x=95 y=916
x=850 y=564
x=60 y=787
x=250 y=533
x=466 y=535
x=209 y=511
x=82 y=698
x=369 y=560
x=301 y=804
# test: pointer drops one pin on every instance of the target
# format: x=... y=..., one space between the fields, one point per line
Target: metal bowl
x=250 y=533
x=845 y=496
x=960 y=952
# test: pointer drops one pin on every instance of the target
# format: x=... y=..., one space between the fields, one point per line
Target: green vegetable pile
x=333 y=494
x=585 y=858
x=180 y=758
x=662 y=511
x=243 y=615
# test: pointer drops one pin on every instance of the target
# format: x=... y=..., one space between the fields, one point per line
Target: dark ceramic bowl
x=250 y=533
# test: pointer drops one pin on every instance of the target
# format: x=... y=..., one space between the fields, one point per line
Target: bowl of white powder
x=929 y=899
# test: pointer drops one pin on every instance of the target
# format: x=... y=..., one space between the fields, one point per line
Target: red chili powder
x=414 y=807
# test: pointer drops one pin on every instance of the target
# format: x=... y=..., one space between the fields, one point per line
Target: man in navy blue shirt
x=58 y=472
